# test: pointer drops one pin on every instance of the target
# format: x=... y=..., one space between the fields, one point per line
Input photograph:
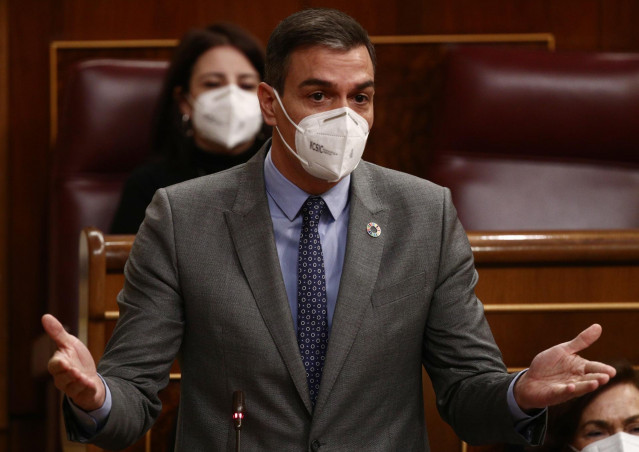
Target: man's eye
x=248 y=86
x=210 y=85
x=317 y=96
x=361 y=98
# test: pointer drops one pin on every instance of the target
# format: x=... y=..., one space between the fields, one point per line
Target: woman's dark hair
x=168 y=134
x=563 y=420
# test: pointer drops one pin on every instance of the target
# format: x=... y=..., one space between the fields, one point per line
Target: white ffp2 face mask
x=619 y=442
x=329 y=144
x=227 y=116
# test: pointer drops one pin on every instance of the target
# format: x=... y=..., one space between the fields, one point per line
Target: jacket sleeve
x=459 y=352
x=148 y=335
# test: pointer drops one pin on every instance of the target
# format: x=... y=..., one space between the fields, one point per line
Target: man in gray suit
x=219 y=272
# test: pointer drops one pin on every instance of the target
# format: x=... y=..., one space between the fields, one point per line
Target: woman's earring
x=187 y=130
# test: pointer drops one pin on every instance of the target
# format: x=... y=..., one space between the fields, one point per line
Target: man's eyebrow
x=367 y=84
x=315 y=82
x=327 y=84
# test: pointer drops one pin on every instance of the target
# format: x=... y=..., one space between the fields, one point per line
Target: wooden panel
x=144 y=19
x=4 y=184
x=407 y=81
x=28 y=169
x=557 y=283
x=619 y=31
x=521 y=336
x=573 y=30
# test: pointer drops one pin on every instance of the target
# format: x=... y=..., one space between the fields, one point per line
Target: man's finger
x=559 y=393
x=56 y=331
x=58 y=364
x=63 y=381
x=584 y=339
x=563 y=392
x=594 y=367
x=584 y=387
x=60 y=369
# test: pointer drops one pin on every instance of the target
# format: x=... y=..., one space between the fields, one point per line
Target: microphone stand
x=238 y=415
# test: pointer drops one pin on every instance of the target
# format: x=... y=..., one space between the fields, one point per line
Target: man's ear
x=267 y=100
x=180 y=98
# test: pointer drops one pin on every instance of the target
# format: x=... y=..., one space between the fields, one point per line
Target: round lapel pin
x=373 y=229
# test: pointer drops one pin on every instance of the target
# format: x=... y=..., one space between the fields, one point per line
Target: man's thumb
x=55 y=330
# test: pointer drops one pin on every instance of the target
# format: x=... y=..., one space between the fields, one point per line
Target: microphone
x=238 y=415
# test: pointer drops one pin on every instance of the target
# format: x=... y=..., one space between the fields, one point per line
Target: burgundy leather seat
x=104 y=132
x=528 y=139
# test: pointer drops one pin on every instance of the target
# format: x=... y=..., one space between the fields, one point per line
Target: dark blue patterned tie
x=312 y=326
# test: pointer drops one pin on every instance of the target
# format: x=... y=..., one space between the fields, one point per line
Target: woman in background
x=613 y=409
x=208 y=117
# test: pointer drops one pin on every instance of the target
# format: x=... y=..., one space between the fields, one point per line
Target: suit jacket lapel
x=359 y=274
x=252 y=231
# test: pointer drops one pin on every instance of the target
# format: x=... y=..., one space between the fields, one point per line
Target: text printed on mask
x=321 y=149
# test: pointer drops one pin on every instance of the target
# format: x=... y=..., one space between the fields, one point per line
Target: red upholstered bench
x=539 y=140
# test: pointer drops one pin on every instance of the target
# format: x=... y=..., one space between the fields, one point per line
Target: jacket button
x=315 y=445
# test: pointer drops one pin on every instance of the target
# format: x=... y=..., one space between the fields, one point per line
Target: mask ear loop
x=573 y=448
x=279 y=101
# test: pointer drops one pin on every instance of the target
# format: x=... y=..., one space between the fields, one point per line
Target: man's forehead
x=321 y=63
x=322 y=51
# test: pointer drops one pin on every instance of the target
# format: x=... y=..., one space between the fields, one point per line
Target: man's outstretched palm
x=559 y=373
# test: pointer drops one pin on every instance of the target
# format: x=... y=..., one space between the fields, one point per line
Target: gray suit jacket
x=203 y=281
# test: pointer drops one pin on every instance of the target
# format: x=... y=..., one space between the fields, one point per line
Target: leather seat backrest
x=104 y=132
x=528 y=139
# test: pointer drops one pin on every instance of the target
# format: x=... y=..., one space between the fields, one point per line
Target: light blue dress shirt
x=285 y=201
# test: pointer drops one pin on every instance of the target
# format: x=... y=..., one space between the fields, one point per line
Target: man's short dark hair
x=307 y=28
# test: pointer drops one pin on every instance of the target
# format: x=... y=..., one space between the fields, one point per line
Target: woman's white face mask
x=329 y=144
x=228 y=116
x=619 y=442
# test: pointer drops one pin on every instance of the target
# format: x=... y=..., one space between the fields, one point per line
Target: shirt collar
x=289 y=197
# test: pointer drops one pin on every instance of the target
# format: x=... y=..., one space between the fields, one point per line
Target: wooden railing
x=538 y=288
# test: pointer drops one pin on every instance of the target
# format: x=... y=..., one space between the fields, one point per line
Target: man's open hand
x=559 y=373
x=73 y=367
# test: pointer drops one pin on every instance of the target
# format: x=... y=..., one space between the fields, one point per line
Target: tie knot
x=312 y=209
